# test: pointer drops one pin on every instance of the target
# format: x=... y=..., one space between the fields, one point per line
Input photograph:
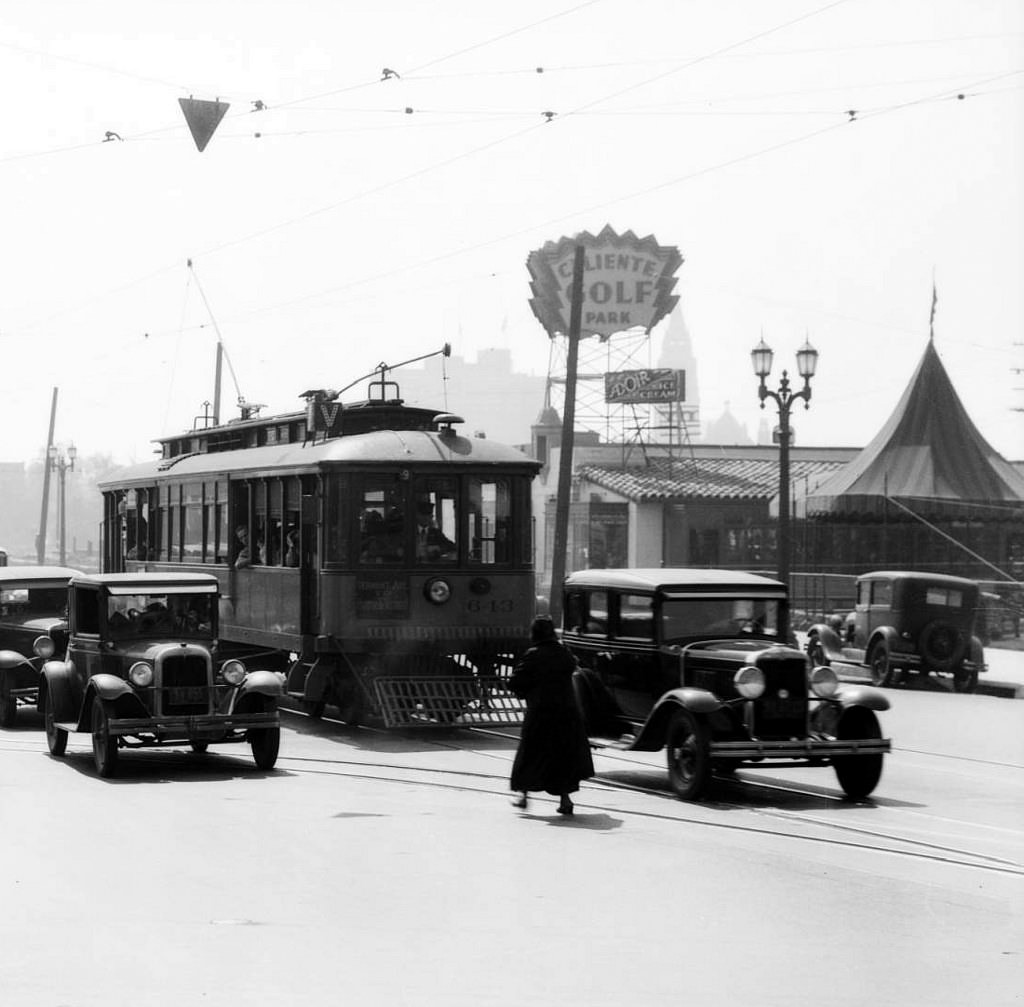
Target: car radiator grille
x=782 y=711
x=185 y=686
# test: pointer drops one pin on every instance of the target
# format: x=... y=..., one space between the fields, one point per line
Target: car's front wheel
x=687 y=754
x=104 y=744
x=56 y=739
x=858 y=775
x=265 y=744
x=880 y=664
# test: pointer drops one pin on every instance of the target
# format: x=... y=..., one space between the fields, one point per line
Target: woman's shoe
x=565 y=808
x=519 y=802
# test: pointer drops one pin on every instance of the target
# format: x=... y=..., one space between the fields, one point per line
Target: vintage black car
x=142 y=670
x=33 y=629
x=907 y=622
x=691 y=661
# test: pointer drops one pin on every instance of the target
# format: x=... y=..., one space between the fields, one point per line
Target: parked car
x=33 y=629
x=904 y=623
x=141 y=669
x=691 y=661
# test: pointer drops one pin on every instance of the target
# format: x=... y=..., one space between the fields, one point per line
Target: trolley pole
x=568 y=425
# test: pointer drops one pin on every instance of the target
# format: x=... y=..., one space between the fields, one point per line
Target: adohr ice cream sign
x=627 y=282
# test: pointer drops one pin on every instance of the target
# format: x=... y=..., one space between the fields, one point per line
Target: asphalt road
x=374 y=868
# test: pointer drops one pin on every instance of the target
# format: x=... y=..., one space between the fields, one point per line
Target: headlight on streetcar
x=43 y=647
x=233 y=672
x=437 y=590
x=749 y=681
x=824 y=682
x=140 y=674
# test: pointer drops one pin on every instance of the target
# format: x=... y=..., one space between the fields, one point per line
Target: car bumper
x=209 y=726
x=809 y=750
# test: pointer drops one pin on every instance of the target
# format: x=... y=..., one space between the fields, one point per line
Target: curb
x=1005 y=690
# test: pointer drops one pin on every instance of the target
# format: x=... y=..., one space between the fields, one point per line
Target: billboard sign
x=627 y=282
x=652 y=385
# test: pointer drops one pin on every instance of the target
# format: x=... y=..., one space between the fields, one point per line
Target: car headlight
x=233 y=672
x=824 y=682
x=43 y=647
x=141 y=674
x=438 y=591
x=749 y=681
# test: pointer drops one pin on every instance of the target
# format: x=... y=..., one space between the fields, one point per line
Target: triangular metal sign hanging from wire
x=203 y=117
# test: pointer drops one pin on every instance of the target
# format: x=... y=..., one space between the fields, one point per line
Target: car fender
x=12 y=659
x=976 y=655
x=699 y=701
x=829 y=639
x=861 y=695
x=267 y=683
x=889 y=637
x=56 y=680
x=111 y=689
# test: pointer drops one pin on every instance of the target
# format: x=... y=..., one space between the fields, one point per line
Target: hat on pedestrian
x=543 y=629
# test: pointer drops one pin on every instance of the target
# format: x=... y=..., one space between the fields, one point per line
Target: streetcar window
x=436 y=532
x=221 y=540
x=381 y=523
x=173 y=523
x=192 y=546
x=490 y=520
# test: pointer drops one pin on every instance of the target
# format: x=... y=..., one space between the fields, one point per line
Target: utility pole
x=41 y=538
x=565 y=454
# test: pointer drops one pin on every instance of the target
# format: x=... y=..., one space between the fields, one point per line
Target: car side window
x=597 y=614
x=87 y=612
x=881 y=593
x=636 y=616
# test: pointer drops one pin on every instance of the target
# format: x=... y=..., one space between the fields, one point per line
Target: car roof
x=945 y=579
x=668 y=578
x=145 y=581
x=31 y=574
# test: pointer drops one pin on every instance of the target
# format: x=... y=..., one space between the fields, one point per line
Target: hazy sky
x=815 y=163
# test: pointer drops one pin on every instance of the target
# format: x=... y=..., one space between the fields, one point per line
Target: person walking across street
x=553 y=754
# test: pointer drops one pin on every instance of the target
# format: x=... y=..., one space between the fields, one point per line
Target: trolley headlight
x=141 y=674
x=43 y=647
x=233 y=672
x=824 y=682
x=437 y=590
x=749 y=681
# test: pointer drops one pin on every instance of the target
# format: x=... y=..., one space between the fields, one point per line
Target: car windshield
x=178 y=615
x=687 y=618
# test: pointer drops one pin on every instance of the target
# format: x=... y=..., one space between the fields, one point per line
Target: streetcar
x=379 y=558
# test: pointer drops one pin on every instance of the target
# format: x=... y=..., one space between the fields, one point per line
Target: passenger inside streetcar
x=431 y=542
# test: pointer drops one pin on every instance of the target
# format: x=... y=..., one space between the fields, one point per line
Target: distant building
x=491 y=397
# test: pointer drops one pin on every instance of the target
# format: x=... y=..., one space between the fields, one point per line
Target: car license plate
x=187 y=696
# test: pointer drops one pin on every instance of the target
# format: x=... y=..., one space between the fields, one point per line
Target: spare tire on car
x=942 y=646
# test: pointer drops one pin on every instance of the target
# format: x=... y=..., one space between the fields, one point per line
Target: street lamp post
x=62 y=462
x=806 y=363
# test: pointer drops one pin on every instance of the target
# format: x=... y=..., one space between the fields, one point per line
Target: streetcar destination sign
x=627 y=282
x=652 y=385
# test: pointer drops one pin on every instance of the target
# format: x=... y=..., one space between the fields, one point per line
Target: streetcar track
x=920 y=849
x=931 y=853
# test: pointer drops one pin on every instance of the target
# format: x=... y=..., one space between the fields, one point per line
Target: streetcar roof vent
x=446 y=421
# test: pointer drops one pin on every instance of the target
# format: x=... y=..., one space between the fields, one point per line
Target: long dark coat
x=553 y=754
